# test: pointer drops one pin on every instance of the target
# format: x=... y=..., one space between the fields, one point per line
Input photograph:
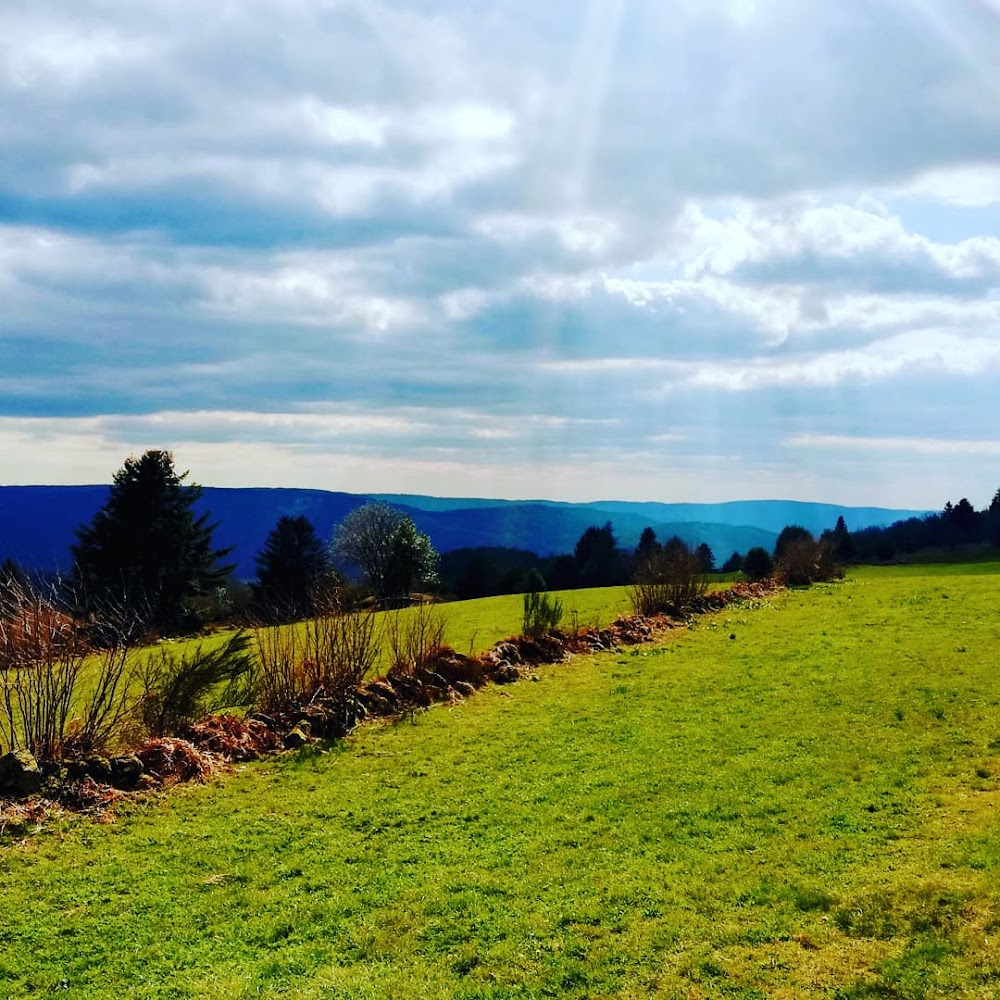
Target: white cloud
x=896 y=445
x=970 y=186
x=498 y=233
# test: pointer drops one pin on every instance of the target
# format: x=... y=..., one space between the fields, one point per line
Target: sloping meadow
x=792 y=798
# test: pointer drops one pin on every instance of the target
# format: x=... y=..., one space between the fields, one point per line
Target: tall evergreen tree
x=291 y=569
x=648 y=545
x=598 y=560
x=146 y=557
x=706 y=558
x=993 y=520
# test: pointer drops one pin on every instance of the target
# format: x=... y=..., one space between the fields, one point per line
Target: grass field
x=798 y=799
x=476 y=625
x=473 y=626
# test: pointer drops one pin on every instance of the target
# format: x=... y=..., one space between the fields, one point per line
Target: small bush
x=805 y=560
x=43 y=656
x=341 y=649
x=181 y=687
x=329 y=658
x=758 y=564
x=542 y=613
x=280 y=683
x=668 y=580
x=414 y=636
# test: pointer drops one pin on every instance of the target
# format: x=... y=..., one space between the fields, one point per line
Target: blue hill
x=37 y=523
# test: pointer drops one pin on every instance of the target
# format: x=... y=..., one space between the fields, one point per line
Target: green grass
x=476 y=625
x=479 y=624
x=792 y=800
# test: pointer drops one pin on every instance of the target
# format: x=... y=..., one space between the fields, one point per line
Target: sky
x=574 y=249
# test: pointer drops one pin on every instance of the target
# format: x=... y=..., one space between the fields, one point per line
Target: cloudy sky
x=698 y=250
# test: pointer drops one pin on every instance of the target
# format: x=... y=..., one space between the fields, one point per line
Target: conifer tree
x=291 y=568
x=147 y=557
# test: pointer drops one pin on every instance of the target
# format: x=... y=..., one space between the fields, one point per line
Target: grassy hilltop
x=797 y=799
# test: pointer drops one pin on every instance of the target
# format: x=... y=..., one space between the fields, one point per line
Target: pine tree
x=648 y=545
x=706 y=558
x=598 y=560
x=146 y=557
x=291 y=568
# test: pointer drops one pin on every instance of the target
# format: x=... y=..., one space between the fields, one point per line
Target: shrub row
x=314 y=683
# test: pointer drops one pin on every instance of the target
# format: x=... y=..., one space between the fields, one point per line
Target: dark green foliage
x=146 y=559
x=542 y=613
x=598 y=561
x=957 y=525
x=647 y=545
x=486 y=572
x=758 y=564
x=840 y=541
x=993 y=520
x=706 y=558
x=563 y=573
x=385 y=546
x=733 y=564
x=181 y=686
x=789 y=536
x=801 y=559
x=291 y=569
x=412 y=562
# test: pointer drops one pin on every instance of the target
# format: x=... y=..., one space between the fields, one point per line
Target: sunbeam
x=587 y=91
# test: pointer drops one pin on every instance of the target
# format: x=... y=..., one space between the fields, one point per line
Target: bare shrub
x=414 y=635
x=41 y=667
x=668 y=581
x=107 y=707
x=180 y=686
x=327 y=656
x=808 y=560
x=341 y=648
x=58 y=696
x=542 y=613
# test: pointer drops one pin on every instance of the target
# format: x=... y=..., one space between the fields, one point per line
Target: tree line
x=147 y=561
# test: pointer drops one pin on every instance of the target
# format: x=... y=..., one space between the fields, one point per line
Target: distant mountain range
x=37 y=523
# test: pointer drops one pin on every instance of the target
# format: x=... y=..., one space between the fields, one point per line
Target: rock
x=506 y=673
x=374 y=704
x=99 y=768
x=454 y=666
x=263 y=719
x=20 y=774
x=432 y=679
x=126 y=772
x=413 y=692
x=296 y=738
x=384 y=690
x=76 y=770
x=507 y=651
x=317 y=720
x=464 y=688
